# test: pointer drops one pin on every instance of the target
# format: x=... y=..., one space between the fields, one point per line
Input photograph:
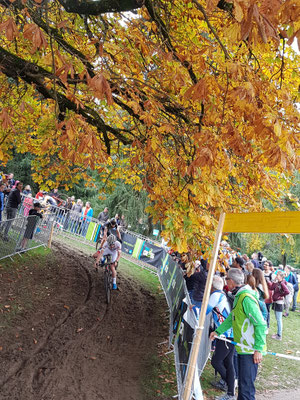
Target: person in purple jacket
x=280 y=290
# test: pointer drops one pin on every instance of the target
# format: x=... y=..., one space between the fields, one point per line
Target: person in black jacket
x=103 y=216
x=32 y=220
x=13 y=202
x=199 y=279
x=2 y=187
x=188 y=275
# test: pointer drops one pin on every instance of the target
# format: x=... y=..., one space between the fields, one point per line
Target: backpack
x=230 y=302
x=290 y=288
x=230 y=299
x=261 y=304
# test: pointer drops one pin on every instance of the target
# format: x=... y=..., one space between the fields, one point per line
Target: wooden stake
x=190 y=375
x=51 y=235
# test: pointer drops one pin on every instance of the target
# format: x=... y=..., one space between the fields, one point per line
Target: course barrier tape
x=271 y=353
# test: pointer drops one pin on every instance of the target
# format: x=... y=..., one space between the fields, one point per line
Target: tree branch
x=212 y=29
x=15 y=67
x=167 y=39
x=100 y=6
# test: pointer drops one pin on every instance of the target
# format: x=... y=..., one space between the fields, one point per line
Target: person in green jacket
x=249 y=331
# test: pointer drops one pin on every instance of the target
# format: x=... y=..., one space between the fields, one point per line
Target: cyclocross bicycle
x=107 y=278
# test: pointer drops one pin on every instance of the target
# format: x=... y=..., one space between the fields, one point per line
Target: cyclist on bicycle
x=110 y=228
x=113 y=248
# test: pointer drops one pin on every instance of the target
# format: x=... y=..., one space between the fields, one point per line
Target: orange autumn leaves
x=194 y=103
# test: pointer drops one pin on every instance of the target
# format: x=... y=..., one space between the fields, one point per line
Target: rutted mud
x=70 y=344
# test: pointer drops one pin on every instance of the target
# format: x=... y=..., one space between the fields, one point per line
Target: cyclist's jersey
x=112 y=252
x=112 y=230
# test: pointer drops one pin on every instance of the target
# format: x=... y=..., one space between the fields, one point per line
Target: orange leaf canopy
x=195 y=101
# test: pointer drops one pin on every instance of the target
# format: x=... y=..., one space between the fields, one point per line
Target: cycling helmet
x=111 y=240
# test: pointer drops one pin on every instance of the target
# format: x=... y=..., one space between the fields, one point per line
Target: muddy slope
x=67 y=344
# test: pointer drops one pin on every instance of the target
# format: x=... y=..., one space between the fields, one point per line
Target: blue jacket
x=89 y=214
x=292 y=278
x=1 y=201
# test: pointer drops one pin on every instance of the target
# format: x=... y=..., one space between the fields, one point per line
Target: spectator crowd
x=72 y=215
x=244 y=292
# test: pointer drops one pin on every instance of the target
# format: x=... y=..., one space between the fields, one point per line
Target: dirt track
x=69 y=344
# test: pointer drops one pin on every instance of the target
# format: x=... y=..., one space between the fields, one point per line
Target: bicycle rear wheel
x=107 y=284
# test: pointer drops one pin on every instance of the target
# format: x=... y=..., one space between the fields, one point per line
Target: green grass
x=160 y=379
x=87 y=247
x=149 y=280
x=39 y=253
x=19 y=269
x=283 y=373
x=274 y=372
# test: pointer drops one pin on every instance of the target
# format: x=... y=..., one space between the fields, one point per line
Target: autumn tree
x=194 y=100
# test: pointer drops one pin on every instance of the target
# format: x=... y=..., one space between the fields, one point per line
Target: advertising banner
x=151 y=254
x=166 y=274
x=128 y=243
x=263 y=222
x=90 y=231
x=96 y=233
x=137 y=248
x=184 y=324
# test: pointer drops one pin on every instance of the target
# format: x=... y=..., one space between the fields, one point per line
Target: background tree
x=195 y=101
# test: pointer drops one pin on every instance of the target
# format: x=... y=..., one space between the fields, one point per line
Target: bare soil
x=293 y=394
x=59 y=340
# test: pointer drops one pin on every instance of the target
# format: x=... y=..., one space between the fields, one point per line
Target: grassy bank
x=17 y=275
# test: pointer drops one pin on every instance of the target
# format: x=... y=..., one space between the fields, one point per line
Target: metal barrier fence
x=70 y=222
x=21 y=234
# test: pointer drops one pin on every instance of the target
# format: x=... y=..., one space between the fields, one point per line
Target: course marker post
x=190 y=376
x=51 y=235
